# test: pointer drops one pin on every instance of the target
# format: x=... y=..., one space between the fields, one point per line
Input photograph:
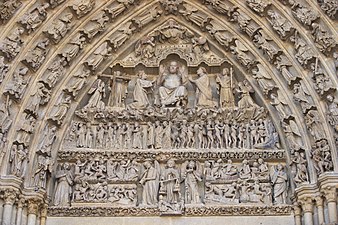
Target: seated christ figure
x=171 y=90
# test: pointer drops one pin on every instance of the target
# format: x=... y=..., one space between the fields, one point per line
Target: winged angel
x=241 y=53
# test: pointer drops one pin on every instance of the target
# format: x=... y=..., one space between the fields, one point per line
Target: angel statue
x=244 y=89
x=279 y=182
x=171 y=81
x=280 y=104
x=242 y=54
x=150 y=182
x=192 y=174
x=293 y=135
x=263 y=78
x=98 y=92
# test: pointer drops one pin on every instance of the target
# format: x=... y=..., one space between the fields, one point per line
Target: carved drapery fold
x=33 y=118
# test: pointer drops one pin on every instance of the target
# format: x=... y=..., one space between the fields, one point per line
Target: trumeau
x=168 y=108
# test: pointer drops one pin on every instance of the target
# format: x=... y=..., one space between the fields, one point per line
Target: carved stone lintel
x=68 y=154
x=189 y=211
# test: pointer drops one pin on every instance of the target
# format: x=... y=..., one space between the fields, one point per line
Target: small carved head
x=171 y=163
x=226 y=72
x=279 y=167
x=147 y=164
x=201 y=71
x=173 y=67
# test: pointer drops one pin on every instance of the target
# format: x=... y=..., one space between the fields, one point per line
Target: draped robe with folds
x=203 y=92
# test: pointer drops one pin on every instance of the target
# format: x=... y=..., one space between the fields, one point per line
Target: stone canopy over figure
x=171 y=90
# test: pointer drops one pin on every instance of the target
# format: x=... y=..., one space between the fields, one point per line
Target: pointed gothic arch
x=70 y=51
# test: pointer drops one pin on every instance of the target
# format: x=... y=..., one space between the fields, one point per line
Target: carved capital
x=21 y=202
x=9 y=196
x=330 y=193
x=43 y=211
x=297 y=209
x=33 y=206
x=319 y=201
x=306 y=204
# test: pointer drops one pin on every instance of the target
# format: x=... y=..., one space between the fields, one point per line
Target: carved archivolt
x=168 y=107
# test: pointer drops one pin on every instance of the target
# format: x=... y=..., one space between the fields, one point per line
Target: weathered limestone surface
x=168 y=112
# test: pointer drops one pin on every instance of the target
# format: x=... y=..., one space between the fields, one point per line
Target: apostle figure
x=63 y=188
x=203 y=92
x=171 y=90
x=191 y=175
x=279 y=182
x=170 y=183
x=225 y=81
x=149 y=180
x=141 y=100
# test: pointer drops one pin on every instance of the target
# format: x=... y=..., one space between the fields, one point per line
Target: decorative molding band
x=179 y=154
x=252 y=210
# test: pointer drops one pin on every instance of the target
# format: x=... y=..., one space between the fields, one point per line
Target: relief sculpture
x=168 y=108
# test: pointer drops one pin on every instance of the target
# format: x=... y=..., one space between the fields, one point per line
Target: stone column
x=298 y=214
x=320 y=208
x=1 y=207
x=307 y=206
x=19 y=212
x=33 y=210
x=13 y=217
x=43 y=216
x=9 y=198
x=330 y=194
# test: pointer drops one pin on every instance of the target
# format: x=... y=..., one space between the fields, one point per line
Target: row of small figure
x=177 y=135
